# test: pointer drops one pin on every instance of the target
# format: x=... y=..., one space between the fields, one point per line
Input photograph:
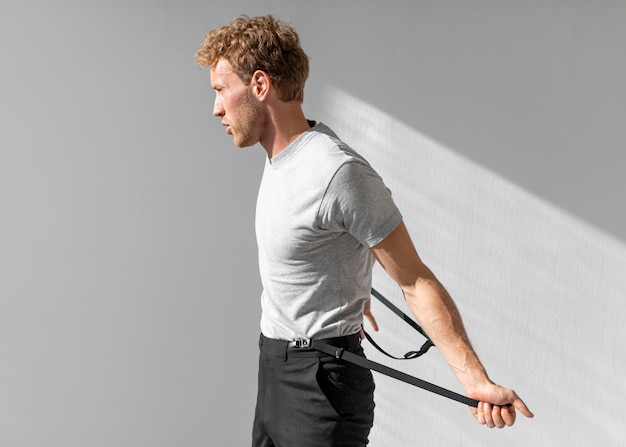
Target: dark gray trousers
x=309 y=399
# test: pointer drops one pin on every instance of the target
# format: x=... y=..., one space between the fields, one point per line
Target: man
x=322 y=215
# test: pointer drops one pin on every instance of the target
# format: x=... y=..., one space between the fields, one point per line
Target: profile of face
x=240 y=111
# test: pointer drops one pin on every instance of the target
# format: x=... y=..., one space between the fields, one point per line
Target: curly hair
x=260 y=43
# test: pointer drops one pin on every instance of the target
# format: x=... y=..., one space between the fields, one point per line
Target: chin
x=245 y=143
x=242 y=144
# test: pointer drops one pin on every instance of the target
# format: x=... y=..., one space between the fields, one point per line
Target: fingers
x=521 y=406
x=503 y=415
x=372 y=321
x=368 y=315
x=508 y=415
x=494 y=416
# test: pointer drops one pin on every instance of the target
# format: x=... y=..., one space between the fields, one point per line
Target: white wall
x=128 y=284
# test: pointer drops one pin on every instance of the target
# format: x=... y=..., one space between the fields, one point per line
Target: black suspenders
x=411 y=354
x=340 y=353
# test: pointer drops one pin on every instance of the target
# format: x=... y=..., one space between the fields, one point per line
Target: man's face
x=239 y=109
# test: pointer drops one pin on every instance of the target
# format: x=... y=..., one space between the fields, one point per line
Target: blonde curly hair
x=260 y=43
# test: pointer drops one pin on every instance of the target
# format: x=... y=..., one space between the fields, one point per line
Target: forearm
x=436 y=312
x=431 y=304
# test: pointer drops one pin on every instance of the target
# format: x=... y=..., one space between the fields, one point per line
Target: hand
x=497 y=406
x=367 y=313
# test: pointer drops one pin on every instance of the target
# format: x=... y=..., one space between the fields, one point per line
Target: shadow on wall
x=540 y=291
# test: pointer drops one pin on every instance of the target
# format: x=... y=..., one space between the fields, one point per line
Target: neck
x=286 y=124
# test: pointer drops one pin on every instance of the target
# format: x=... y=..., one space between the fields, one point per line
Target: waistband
x=285 y=348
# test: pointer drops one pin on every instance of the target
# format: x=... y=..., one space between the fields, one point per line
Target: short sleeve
x=357 y=201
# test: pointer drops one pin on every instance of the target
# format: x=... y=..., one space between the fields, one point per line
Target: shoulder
x=325 y=145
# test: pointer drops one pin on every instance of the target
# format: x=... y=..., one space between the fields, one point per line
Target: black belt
x=303 y=348
x=349 y=342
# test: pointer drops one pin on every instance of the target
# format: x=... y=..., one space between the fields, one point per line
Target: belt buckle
x=302 y=343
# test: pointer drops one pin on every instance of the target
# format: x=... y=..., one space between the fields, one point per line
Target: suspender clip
x=338 y=353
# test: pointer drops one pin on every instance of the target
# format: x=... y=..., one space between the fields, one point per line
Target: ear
x=261 y=85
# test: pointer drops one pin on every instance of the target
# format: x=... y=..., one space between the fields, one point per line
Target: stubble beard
x=252 y=122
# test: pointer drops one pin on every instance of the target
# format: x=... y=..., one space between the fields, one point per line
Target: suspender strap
x=398 y=312
x=408 y=356
x=340 y=353
x=411 y=354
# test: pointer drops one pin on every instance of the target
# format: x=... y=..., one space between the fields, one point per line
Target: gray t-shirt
x=320 y=208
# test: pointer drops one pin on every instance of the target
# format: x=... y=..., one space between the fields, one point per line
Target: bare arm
x=436 y=312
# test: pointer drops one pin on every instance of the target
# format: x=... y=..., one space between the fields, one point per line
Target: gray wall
x=128 y=283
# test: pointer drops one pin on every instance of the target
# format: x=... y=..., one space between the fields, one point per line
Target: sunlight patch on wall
x=542 y=293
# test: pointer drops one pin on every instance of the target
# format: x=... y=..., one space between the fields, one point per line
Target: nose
x=218 y=109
